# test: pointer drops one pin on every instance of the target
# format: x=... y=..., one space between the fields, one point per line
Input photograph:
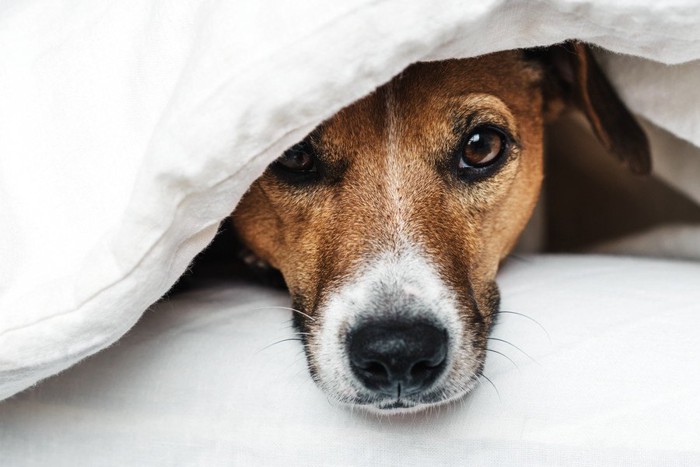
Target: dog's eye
x=299 y=159
x=482 y=147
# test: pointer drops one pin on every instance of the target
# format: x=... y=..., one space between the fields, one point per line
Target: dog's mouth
x=397 y=406
x=386 y=405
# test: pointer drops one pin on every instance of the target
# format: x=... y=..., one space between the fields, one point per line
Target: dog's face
x=388 y=223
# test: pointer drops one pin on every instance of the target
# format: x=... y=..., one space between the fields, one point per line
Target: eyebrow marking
x=479 y=108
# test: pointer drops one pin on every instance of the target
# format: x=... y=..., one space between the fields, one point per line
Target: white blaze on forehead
x=401 y=284
x=394 y=176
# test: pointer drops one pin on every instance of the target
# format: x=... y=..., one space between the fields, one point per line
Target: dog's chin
x=398 y=407
x=401 y=407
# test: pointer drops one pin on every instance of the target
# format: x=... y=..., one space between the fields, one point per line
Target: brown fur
x=387 y=158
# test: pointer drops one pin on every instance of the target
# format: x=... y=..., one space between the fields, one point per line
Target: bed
x=598 y=368
x=130 y=129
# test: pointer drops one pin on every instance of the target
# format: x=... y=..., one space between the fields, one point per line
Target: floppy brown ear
x=583 y=85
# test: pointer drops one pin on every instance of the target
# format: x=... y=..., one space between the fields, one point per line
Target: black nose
x=397 y=357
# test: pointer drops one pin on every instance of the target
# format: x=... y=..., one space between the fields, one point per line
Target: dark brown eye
x=298 y=158
x=483 y=147
x=298 y=165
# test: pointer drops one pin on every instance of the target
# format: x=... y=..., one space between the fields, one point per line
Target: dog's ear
x=574 y=78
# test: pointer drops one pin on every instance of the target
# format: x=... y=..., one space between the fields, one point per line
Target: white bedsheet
x=610 y=378
x=129 y=129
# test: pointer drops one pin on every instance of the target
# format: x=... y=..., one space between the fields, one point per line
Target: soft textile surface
x=129 y=129
x=610 y=378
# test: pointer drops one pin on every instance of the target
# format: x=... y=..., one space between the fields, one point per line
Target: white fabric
x=129 y=129
x=610 y=378
x=668 y=241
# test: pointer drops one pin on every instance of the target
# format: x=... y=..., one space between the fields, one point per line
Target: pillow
x=131 y=128
x=597 y=366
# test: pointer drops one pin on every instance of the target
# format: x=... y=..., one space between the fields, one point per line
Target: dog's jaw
x=403 y=407
x=404 y=285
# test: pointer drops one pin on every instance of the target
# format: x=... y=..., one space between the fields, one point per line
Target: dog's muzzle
x=397 y=357
x=392 y=339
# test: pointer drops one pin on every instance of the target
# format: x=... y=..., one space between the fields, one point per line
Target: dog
x=389 y=221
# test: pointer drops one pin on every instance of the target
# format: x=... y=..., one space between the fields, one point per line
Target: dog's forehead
x=506 y=75
x=422 y=102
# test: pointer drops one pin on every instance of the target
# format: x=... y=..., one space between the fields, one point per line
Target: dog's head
x=388 y=222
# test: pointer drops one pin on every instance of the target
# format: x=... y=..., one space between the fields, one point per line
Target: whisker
x=514 y=346
x=530 y=318
x=519 y=257
x=299 y=333
x=504 y=356
x=280 y=341
x=284 y=308
x=493 y=385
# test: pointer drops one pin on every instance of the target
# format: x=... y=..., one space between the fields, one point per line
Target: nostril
x=435 y=356
x=373 y=373
x=375 y=368
x=424 y=366
x=420 y=368
x=427 y=370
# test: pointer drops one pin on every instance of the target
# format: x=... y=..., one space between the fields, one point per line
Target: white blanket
x=129 y=129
